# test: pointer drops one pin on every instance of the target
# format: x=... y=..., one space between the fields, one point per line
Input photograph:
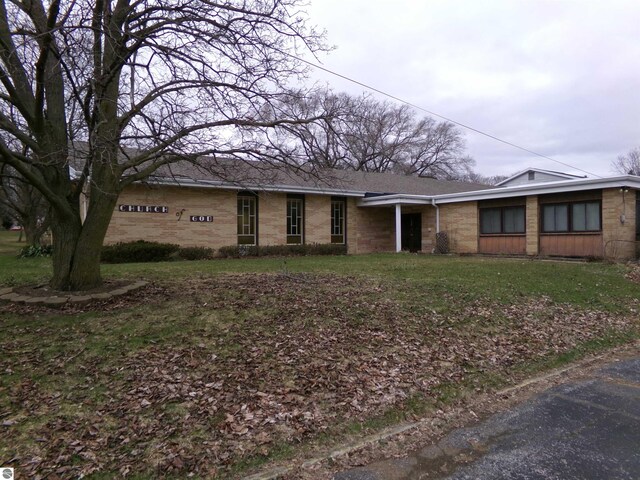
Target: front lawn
x=220 y=366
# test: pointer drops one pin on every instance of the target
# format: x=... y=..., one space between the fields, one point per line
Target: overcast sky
x=561 y=78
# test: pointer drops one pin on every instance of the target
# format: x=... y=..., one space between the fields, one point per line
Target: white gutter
x=398 y=228
x=270 y=188
x=383 y=200
x=541 y=189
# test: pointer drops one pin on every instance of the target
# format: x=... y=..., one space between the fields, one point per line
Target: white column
x=398 y=227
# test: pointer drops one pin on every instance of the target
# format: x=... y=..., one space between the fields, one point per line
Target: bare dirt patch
x=249 y=364
x=150 y=294
x=44 y=290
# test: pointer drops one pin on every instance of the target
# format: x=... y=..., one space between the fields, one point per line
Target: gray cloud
x=558 y=77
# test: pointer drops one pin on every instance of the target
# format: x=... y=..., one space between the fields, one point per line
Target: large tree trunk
x=85 y=270
x=77 y=246
x=66 y=233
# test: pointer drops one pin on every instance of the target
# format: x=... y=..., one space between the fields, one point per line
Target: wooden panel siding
x=572 y=244
x=505 y=244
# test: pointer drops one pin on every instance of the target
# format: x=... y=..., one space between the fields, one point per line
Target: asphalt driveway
x=582 y=430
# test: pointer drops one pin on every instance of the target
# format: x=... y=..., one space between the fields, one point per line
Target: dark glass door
x=411 y=224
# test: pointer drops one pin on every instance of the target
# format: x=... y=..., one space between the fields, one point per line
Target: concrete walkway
x=584 y=430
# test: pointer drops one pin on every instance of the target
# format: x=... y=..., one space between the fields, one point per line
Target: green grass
x=15 y=271
x=506 y=280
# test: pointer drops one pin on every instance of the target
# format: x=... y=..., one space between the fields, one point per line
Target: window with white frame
x=295 y=219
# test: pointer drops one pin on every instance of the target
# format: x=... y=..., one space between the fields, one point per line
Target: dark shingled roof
x=263 y=175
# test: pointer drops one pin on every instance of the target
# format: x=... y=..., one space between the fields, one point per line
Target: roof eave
x=395 y=199
x=188 y=182
x=631 y=181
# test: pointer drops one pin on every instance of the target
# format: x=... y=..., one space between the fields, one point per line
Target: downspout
x=398 y=228
x=433 y=203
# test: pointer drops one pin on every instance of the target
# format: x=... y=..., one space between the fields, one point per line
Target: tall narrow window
x=247 y=216
x=586 y=217
x=555 y=218
x=513 y=220
x=295 y=219
x=490 y=220
x=338 y=217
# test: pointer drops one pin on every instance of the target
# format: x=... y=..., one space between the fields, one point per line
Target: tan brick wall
x=428 y=229
x=352 y=225
x=533 y=225
x=272 y=218
x=318 y=221
x=166 y=227
x=619 y=238
x=460 y=221
x=222 y=205
x=375 y=230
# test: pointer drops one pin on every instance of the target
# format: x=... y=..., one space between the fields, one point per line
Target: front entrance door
x=411 y=224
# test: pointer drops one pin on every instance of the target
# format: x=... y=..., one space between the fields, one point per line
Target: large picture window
x=295 y=220
x=571 y=217
x=247 y=216
x=338 y=217
x=502 y=220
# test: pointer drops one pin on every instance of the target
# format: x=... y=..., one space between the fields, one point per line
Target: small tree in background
x=628 y=164
x=24 y=204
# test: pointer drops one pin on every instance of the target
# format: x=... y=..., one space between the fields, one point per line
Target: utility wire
x=468 y=127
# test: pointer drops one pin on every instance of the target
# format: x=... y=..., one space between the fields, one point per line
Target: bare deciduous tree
x=475 y=177
x=363 y=133
x=628 y=164
x=24 y=204
x=144 y=83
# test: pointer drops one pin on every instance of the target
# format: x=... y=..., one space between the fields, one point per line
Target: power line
x=468 y=127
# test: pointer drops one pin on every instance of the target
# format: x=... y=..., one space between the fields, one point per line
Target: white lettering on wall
x=201 y=218
x=143 y=208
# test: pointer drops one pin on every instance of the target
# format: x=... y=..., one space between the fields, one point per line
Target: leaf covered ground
x=213 y=375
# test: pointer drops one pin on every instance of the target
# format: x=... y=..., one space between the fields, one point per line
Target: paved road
x=585 y=430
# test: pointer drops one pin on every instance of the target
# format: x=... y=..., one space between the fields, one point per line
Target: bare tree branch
x=628 y=164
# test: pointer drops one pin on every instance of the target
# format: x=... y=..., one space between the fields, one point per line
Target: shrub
x=238 y=251
x=195 y=253
x=327 y=249
x=139 y=251
x=36 y=251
